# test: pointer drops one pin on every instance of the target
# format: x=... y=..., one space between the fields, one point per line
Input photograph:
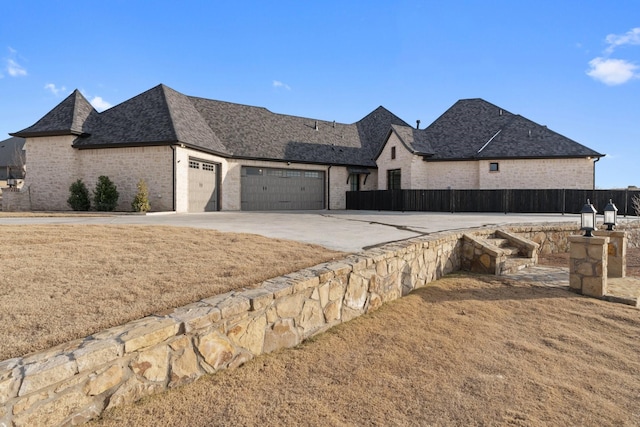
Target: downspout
x=173 y=164
x=594 y=172
x=329 y=188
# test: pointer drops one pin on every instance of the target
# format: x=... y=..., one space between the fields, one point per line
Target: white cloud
x=14 y=69
x=612 y=71
x=631 y=37
x=279 y=84
x=54 y=90
x=99 y=103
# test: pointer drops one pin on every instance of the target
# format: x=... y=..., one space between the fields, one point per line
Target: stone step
x=515 y=264
x=503 y=244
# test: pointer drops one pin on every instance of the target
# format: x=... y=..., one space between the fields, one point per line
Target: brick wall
x=403 y=161
x=54 y=165
x=537 y=173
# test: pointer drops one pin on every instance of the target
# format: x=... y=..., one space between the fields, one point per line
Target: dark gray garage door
x=281 y=189
x=203 y=193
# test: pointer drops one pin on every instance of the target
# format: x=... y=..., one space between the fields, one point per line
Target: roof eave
x=22 y=134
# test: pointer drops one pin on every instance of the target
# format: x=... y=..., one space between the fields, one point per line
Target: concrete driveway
x=350 y=231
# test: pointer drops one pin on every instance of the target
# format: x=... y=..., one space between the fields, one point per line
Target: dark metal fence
x=515 y=201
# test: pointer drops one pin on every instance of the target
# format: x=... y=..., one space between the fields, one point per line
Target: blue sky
x=571 y=65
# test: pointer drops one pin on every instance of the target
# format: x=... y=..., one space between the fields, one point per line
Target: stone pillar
x=617 y=252
x=588 y=265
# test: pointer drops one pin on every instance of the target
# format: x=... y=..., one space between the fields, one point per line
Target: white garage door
x=281 y=189
x=203 y=194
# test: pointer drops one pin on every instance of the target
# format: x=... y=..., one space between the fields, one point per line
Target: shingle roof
x=414 y=139
x=11 y=153
x=163 y=116
x=67 y=118
x=471 y=128
x=475 y=128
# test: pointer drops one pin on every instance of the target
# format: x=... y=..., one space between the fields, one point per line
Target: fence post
x=452 y=203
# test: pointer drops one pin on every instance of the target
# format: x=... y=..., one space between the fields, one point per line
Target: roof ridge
x=163 y=89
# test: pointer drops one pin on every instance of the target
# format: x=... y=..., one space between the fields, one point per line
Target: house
x=477 y=145
x=12 y=161
x=199 y=154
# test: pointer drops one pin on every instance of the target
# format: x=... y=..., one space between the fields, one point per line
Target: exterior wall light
x=588 y=219
x=610 y=215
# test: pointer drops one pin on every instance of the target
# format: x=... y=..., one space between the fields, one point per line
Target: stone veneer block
x=217 y=299
x=616 y=251
x=303 y=279
x=259 y=298
x=588 y=265
x=96 y=353
x=234 y=305
x=150 y=334
x=280 y=286
x=48 y=372
x=197 y=317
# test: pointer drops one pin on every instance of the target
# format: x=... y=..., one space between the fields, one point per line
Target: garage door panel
x=203 y=192
x=281 y=189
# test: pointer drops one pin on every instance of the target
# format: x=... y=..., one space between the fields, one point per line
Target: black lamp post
x=610 y=215
x=588 y=219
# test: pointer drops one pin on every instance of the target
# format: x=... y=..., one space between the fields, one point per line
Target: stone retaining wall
x=76 y=381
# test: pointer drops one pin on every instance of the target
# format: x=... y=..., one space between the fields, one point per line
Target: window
x=208 y=167
x=290 y=174
x=312 y=174
x=393 y=179
x=275 y=172
x=354 y=178
x=253 y=171
x=494 y=167
x=194 y=165
x=393 y=153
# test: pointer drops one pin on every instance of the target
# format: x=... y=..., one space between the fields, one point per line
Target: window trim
x=393 y=173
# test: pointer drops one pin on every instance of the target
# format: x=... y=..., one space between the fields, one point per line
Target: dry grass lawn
x=466 y=350
x=61 y=282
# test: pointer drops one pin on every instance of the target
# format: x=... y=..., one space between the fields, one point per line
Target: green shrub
x=79 y=198
x=141 y=201
x=105 y=196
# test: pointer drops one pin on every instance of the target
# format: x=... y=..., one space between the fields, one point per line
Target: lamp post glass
x=610 y=215
x=588 y=219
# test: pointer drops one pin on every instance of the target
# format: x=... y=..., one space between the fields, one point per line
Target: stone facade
x=588 y=265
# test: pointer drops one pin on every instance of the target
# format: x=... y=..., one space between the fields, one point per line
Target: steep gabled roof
x=414 y=139
x=67 y=118
x=162 y=115
x=475 y=128
x=158 y=116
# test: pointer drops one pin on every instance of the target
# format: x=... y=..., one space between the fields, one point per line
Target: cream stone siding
x=182 y=177
x=519 y=173
x=403 y=161
x=455 y=175
x=54 y=165
x=537 y=173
